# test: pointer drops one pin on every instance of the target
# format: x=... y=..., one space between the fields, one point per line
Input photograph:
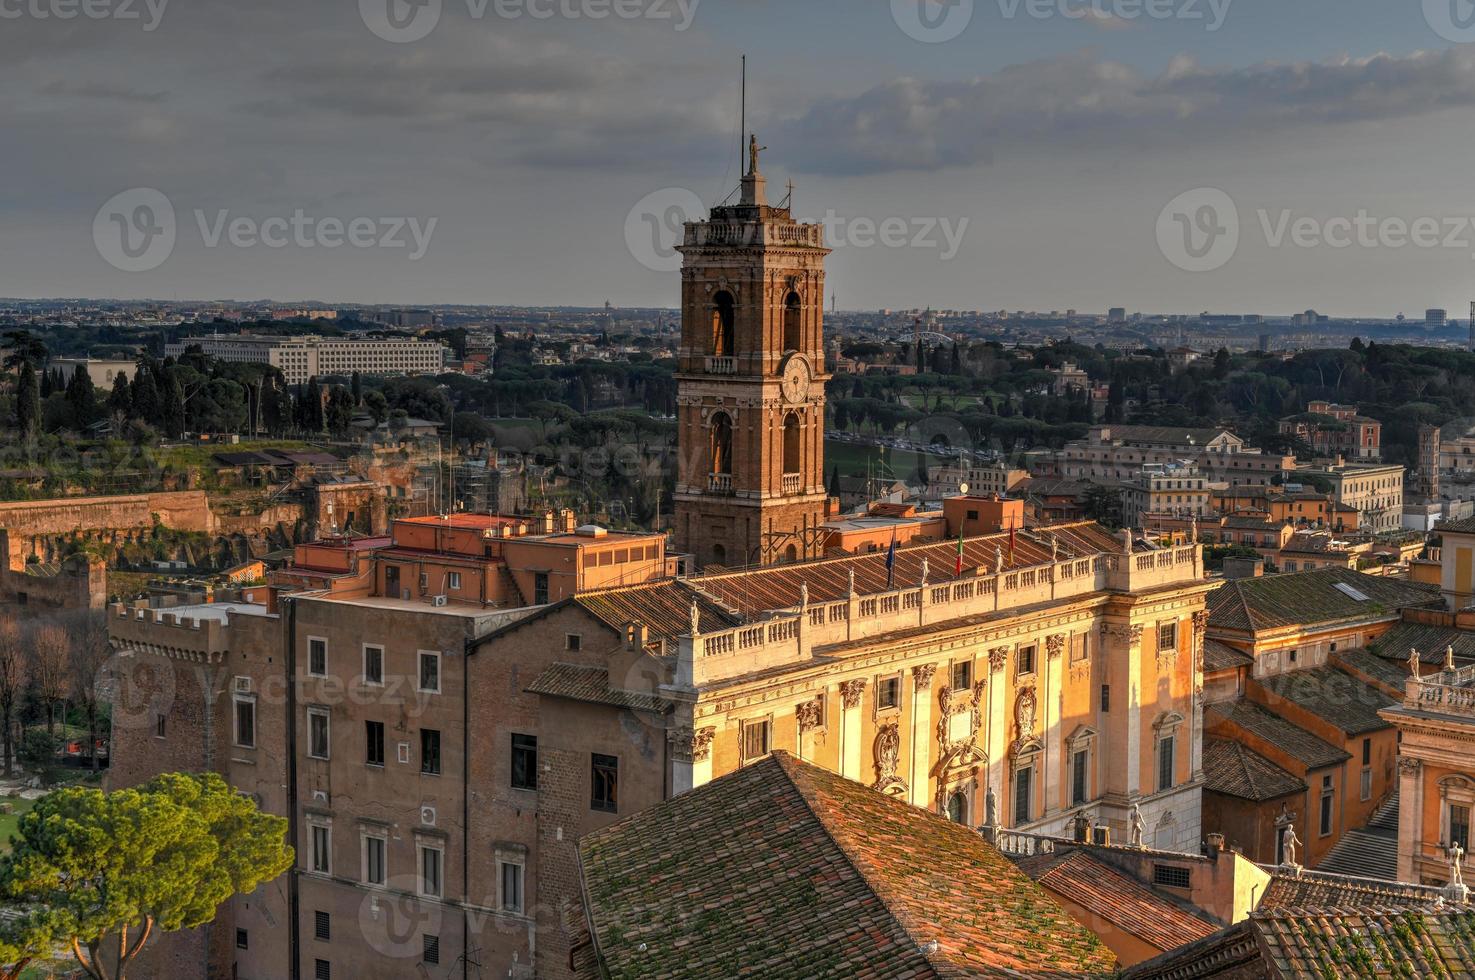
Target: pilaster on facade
x=1410 y=817
x=850 y=727
x=921 y=734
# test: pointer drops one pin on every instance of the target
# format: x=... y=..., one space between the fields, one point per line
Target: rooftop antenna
x=743 y=118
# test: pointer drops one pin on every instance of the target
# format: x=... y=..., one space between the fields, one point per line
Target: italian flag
x=958 y=566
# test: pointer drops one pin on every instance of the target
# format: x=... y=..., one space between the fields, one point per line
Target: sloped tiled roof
x=1117 y=898
x=1311 y=598
x=777 y=587
x=579 y=682
x=1368 y=942
x=1219 y=655
x=1430 y=641
x=1295 y=741
x=1234 y=770
x=1390 y=672
x=1313 y=890
x=664 y=607
x=785 y=870
x=1334 y=696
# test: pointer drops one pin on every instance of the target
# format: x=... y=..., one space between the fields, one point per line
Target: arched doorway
x=719 y=555
x=791 y=553
x=957 y=807
x=793 y=331
x=724 y=324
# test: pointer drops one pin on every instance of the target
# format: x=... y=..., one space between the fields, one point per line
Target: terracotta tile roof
x=1117 y=898
x=1234 y=770
x=1334 y=696
x=1430 y=641
x=1219 y=655
x=1389 y=942
x=777 y=587
x=1316 y=890
x=1295 y=741
x=1291 y=944
x=1311 y=598
x=785 y=870
x=578 y=682
x=664 y=607
x=1463 y=526
x=1393 y=673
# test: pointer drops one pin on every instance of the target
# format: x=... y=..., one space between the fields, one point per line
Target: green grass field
x=10 y=821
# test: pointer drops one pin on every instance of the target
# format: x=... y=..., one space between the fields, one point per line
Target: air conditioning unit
x=243 y=685
x=439 y=600
x=427 y=816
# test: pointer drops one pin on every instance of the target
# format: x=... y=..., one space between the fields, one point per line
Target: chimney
x=548 y=522
x=1216 y=844
x=569 y=521
x=1235 y=568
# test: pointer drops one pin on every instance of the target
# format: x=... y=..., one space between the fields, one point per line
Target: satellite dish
x=962 y=488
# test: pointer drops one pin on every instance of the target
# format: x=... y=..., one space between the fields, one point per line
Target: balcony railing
x=719 y=483
x=792 y=483
x=722 y=365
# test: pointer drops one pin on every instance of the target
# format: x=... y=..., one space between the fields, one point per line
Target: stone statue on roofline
x=1456 y=855
x=803 y=595
x=1289 y=842
x=924 y=571
x=1138 y=827
x=851 y=587
x=696 y=618
x=998 y=559
x=990 y=808
x=1414 y=661
x=1449 y=659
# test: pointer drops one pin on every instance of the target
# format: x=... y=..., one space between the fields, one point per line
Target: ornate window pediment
x=1081 y=738
x=1167 y=722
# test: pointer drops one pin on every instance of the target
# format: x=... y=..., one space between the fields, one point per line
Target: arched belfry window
x=722 y=443
x=791 y=443
x=793 y=331
x=724 y=325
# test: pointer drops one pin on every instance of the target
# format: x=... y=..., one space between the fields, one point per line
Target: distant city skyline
x=507 y=158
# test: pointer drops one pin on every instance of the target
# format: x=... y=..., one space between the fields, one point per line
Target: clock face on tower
x=794 y=379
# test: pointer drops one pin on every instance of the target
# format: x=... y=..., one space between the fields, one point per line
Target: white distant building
x=103 y=371
x=301 y=358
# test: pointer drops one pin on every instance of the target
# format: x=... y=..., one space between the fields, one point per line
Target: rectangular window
x=322 y=971
x=453 y=581
x=1079 y=777
x=524 y=761
x=1105 y=698
x=430 y=671
x=159 y=726
x=1459 y=826
x=431 y=859
x=511 y=886
x=605 y=783
x=1367 y=751
x=963 y=675
x=1026 y=660
x=888 y=693
x=373 y=664
x=540 y=588
x=756 y=739
x=322 y=926
x=317 y=733
x=317 y=656
x=1326 y=813
x=430 y=948
x=1366 y=786
x=1172 y=877
x=1166 y=762
x=1167 y=636
x=573 y=641
x=374 y=743
x=374 y=860
x=322 y=849
x=430 y=751
x=1023 y=790
x=245 y=722
x=242 y=939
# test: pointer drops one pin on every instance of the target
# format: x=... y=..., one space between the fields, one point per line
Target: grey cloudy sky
x=1020 y=154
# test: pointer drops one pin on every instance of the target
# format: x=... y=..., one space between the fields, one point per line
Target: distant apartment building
x=1336 y=430
x=1118 y=452
x=301 y=358
x=1374 y=490
x=1070 y=378
x=1435 y=318
x=1165 y=490
x=981 y=479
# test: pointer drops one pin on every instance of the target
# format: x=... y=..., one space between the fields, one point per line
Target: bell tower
x=751 y=383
